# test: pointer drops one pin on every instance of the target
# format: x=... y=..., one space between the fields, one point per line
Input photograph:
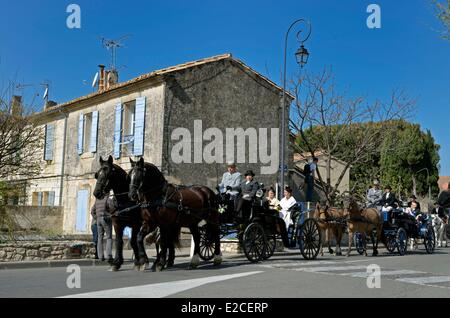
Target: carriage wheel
x=391 y=243
x=254 y=242
x=402 y=241
x=430 y=240
x=309 y=239
x=271 y=244
x=360 y=243
x=206 y=244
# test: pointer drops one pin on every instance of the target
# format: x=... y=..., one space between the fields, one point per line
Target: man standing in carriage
x=231 y=181
x=374 y=195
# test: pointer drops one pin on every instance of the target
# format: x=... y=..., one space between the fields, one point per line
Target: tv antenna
x=46 y=86
x=113 y=45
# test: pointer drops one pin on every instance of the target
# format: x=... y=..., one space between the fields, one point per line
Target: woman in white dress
x=286 y=203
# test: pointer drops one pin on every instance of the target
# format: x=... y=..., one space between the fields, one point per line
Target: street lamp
x=301 y=56
x=428 y=182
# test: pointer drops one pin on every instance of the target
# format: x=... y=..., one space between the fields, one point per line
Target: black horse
x=171 y=207
x=112 y=177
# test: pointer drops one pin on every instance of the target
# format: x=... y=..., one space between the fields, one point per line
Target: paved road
x=414 y=275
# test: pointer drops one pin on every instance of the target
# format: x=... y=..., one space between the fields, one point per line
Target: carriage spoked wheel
x=391 y=243
x=254 y=242
x=309 y=239
x=430 y=240
x=402 y=241
x=360 y=243
x=206 y=244
x=271 y=243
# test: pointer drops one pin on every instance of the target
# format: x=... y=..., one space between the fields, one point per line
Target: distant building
x=443 y=182
x=337 y=167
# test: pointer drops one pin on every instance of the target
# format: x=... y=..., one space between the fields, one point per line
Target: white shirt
x=286 y=204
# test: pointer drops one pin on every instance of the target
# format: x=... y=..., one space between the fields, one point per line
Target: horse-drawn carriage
x=399 y=227
x=259 y=233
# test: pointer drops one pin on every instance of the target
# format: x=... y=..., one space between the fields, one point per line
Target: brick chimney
x=16 y=105
x=102 y=78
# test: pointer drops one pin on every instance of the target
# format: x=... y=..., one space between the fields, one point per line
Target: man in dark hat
x=248 y=190
x=388 y=199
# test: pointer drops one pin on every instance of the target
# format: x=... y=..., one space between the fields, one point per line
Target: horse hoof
x=114 y=268
x=142 y=267
x=170 y=264
x=159 y=268
x=192 y=266
x=217 y=260
x=136 y=267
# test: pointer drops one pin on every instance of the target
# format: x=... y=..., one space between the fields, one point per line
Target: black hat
x=249 y=173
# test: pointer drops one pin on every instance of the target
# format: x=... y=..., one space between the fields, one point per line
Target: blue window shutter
x=80 y=134
x=94 y=132
x=49 y=139
x=139 y=127
x=82 y=208
x=51 y=198
x=117 y=131
x=39 y=198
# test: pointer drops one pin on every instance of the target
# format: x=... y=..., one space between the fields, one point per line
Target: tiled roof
x=166 y=71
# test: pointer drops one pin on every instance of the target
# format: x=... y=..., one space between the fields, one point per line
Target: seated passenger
x=286 y=203
x=274 y=203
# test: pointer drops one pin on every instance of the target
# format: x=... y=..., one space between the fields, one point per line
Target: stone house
x=188 y=120
x=337 y=167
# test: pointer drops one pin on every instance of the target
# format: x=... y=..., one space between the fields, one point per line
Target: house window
x=87 y=132
x=129 y=128
x=45 y=198
x=128 y=115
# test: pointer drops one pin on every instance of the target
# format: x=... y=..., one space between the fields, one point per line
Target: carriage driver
x=374 y=195
x=231 y=181
x=388 y=200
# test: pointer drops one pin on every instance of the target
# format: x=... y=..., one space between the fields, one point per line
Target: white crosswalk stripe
x=345 y=268
x=425 y=280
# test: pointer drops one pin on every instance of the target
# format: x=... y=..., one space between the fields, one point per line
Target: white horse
x=440 y=230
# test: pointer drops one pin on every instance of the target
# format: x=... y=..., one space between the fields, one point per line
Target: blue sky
x=406 y=53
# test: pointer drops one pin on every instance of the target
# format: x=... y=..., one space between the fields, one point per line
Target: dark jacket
x=388 y=201
x=439 y=211
x=444 y=199
x=102 y=208
x=249 y=189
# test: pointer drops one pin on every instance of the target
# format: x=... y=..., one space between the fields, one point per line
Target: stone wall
x=222 y=95
x=39 y=251
x=42 y=218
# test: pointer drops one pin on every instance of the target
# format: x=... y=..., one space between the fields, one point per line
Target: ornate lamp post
x=302 y=56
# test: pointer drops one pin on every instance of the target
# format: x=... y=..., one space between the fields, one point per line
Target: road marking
x=293 y=264
x=158 y=290
x=383 y=273
x=425 y=280
x=330 y=268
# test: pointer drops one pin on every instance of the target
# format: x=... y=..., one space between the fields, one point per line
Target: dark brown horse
x=112 y=177
x=171 y=207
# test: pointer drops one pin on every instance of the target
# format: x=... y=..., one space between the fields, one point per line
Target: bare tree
x=349 y=129
x=443 y=13
x=20 y=139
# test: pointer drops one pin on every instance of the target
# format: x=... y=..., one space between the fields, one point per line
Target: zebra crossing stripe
x=425 y=280
x=384 y=273
x=330 y=268
x=293 y=264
